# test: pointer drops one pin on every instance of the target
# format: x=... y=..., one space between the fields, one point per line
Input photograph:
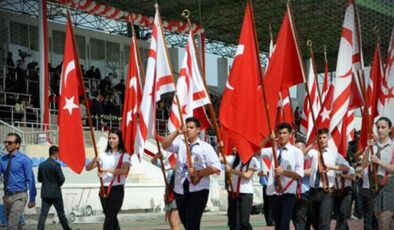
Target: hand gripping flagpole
x=322 y=166
x=89 y=116
x=188 y=152
x=186 y=14
x=278 y=182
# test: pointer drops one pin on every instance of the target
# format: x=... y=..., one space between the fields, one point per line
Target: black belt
x=14 y=193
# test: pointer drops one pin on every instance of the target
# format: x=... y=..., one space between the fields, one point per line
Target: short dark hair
x=18 y=138
x=284 y=125
x=194 y=120
x=53 y=149
x=322 y=131
x=300 y=141
x=388 y=121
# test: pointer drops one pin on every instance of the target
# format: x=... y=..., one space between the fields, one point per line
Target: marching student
x=384 y=159
x=343 y=197
x=321 y=197
x=367 y=195
x=301 y=207
x=191 y=199
x=290 y=168
x=241 y=199
x=115 y=165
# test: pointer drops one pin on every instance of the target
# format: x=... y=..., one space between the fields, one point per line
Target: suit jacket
x=51 y=176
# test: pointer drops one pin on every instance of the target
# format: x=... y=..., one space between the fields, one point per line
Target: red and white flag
x=307 y=124
x=191 y=91
x=323 y=117
x=326 y=83
x=285 y=112
x=71 y=140
x=389 y=81
x=158 y=81
x=242 y=113
x=132 y=98
x=345 y=86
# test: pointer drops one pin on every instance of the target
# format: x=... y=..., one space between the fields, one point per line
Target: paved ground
x=156 y=222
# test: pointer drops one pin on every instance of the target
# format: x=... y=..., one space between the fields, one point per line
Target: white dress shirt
x=203 y=155
x=330 y=159
x=292 y=159
x=111 y=160
x=245 y=185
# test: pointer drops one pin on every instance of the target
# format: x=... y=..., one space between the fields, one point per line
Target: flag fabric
x=345 y=84
x=242 y=109
x=326 y=84
x=286 y=53
x=132 y=98
x=158 y=81
x=71 y=139
x=323 y=117
x=191 y=91
x=389 y=81
x=373 y=95
x=285 y=112
x=307 y=124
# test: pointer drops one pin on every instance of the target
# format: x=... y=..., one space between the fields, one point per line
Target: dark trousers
x=367 y=198
x=320 y=209
x=46 y=205
x=300 y=213
x=190 y=208
x=282 y=208
x=238 y=212
x=269 y=219
x=111 y=207
x=342 y=202
x=357 y=187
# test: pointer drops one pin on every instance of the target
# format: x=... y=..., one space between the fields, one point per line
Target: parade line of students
x=308 y=186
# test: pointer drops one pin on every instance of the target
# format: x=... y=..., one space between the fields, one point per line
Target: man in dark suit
x=51 y=176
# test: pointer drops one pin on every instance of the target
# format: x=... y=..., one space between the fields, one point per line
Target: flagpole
x=188 y=153
x=278 y=181
x=186 y=14
x=313 y=64
x=102 y=190
x=323 y=167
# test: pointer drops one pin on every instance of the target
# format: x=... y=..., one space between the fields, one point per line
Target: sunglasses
x=9 y=142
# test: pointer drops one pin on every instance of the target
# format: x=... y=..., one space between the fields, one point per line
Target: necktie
x=186 y=183
x=7 y=173
x=319 y=166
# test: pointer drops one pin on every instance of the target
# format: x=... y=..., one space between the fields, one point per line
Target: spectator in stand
x=83 y=110
x=98 y=105
x=97 y=74
x=20 y=108
x=10 y=64
x=110 y=106
x=83 y=72
x=120 y=88
x=105 y=85
x=90 y=73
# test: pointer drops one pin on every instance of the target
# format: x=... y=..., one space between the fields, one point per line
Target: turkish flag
x=285 y=65
x=242 y=108
x=71 y=140
x=132 y=99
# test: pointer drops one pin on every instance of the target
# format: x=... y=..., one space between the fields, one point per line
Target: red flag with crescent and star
x=71 y=140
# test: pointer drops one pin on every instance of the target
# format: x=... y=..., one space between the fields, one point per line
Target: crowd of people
x=308 y=185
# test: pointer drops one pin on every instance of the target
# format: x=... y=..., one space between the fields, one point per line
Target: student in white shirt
x=343 y=197
x=241 y=199
x=384 y=159
x=191 y=199
x=290 y=169
x=115 y=165
x=321 y=197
